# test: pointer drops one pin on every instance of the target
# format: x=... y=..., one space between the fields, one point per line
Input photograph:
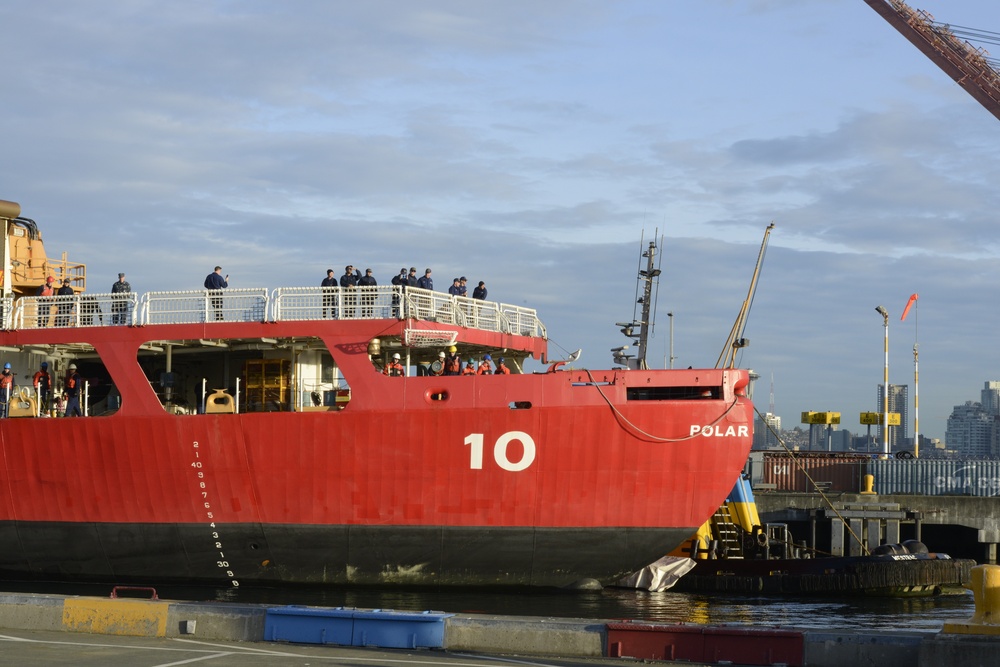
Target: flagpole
x=916 y=375
x=916 y=404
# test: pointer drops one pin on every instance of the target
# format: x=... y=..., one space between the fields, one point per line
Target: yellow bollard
x=985 y=587
x=869 y=484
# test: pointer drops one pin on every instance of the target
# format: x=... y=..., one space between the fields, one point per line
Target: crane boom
x=736 y=341
x=957 y=58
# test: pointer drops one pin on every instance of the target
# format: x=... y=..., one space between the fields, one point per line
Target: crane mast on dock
x=964 y=63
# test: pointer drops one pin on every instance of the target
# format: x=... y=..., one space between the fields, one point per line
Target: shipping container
x=829 y=472
x=934 y=477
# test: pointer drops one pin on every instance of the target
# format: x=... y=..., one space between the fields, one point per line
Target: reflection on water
x=887 y=614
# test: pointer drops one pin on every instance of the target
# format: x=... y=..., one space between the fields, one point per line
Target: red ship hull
x=536 y=479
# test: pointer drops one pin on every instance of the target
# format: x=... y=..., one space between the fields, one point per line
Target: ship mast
x=639 y=329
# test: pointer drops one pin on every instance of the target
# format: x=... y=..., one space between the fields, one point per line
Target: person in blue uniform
x=72 y=391
x=329 y=294
x=349 y=282
x=119 y=304
x=425 y=281
x=214 y=283
x=400 y=282
x=480 y=291
x=64 y=307
x=367 y=285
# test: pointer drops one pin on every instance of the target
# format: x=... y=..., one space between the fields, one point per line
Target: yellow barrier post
x=985 y=586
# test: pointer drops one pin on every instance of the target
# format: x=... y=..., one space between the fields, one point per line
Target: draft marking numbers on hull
x=203 y=493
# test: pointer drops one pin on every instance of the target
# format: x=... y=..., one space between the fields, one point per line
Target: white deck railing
x=6 y=311
x=79 y=310
x=230 y=305
x=258 y=305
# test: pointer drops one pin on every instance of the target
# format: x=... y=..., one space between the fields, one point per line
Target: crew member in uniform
x=43 y=387
x=72 y=392
x=6 y=389
x=453 y=362
x=437 y=366
x=394 y=368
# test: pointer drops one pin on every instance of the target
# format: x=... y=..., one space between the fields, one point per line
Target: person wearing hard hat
x=72 y=392
x=501 y=368
x=44 y=308
x=437 y=366
x=394 y=368
x=6 y=389
x=486 y=367
x=470 y=368
x=43 y=387
x=452 y=362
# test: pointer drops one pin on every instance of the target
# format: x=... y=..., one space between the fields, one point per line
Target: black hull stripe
x=275 y=554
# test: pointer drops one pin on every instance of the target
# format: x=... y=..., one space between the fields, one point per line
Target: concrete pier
x=562 y=641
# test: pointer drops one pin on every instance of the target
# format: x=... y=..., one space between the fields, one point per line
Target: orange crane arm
x=956 y=58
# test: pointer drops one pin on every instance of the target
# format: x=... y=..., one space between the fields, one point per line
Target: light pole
x=670 y=316
x=885 y=382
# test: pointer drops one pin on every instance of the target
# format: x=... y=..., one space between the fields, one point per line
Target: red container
x=656 y=642
x=785 y=472
x=754 y=647
x=706 y=644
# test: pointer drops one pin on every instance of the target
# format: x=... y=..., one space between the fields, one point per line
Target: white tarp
x=659 y=576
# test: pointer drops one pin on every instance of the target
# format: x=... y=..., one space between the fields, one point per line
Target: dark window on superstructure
x=672 y=393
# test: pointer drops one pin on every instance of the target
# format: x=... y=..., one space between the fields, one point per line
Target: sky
x=539 y=147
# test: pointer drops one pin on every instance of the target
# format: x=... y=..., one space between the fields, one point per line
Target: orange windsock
x=913 y=300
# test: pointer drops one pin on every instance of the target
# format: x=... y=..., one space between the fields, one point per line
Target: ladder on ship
x=727 y=533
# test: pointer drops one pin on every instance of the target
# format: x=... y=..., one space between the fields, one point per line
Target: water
x=822 y=613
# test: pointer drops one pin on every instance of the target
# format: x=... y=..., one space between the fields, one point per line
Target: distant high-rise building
x=970 y=430
x=764 y=431
x=991 y=397
x=899 y=396
x=825 y=438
